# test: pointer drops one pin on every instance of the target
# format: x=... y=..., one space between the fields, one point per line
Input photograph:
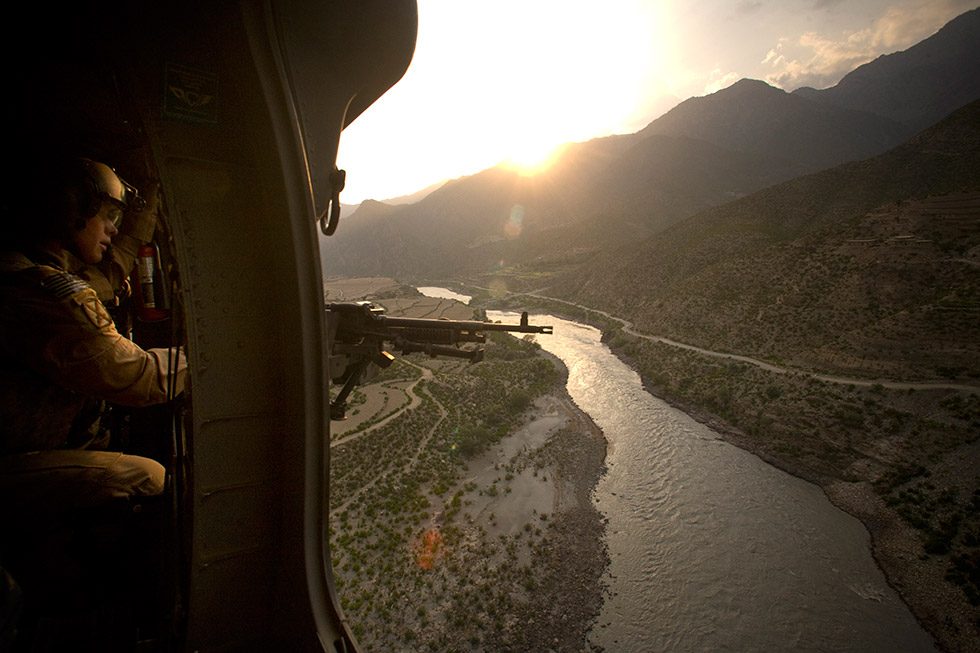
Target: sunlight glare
x=507 y=82
x=529 y=157
x=571 y=71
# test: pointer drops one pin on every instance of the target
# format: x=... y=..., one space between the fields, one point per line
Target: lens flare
x=515 y=223
x=428 y=549
x=498 y=288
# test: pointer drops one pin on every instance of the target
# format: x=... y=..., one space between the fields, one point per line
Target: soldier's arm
x=72 y=340
x=137 y=228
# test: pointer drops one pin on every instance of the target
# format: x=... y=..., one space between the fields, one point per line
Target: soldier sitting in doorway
x=62 y=359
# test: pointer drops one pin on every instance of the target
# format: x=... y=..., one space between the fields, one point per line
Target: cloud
x=820 y=60
x=905 y=25
x=747 y=7
x=719 y=80
x=813 y=60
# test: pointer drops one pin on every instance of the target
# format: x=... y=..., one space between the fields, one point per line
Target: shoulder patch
x=94 y=310
x=63 y=285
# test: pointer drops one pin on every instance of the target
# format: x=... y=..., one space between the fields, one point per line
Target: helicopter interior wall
x=102 y=89
x=246 y=589
x=97 y=77
x=243 y=425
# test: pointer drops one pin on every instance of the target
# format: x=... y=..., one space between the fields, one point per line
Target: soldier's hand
x=142 y=222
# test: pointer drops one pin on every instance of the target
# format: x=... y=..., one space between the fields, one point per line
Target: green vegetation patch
x=411 y=564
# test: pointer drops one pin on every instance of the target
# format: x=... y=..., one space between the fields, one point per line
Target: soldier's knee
x=136 y=476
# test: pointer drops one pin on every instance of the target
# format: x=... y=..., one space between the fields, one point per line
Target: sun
x=529 y=158
x=507 y=83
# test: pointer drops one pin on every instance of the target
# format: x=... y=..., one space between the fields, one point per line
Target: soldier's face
x=92 y=242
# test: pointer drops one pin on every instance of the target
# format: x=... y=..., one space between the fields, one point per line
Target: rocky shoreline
x=570 y=597
x=517 y=557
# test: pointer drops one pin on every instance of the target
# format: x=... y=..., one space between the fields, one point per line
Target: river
x=711 y=548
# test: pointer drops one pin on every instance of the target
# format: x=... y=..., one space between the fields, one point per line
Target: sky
x=507 y=82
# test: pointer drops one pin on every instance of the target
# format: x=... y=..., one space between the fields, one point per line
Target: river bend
x=711 y=548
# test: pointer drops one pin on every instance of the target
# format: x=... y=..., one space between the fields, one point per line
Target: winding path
x=414 y=402
x=830 y=378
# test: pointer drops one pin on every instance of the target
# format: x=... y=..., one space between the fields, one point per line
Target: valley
x=800 y=271
x=901 y=457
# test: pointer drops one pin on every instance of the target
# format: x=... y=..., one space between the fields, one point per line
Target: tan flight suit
x=60 y=357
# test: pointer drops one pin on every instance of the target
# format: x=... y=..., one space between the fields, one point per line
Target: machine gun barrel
x=463 y=325
x=366 y=319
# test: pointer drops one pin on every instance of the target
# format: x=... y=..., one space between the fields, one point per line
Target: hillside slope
x=872 y=267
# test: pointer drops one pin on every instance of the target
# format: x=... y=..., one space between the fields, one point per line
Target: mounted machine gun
x=358 y=332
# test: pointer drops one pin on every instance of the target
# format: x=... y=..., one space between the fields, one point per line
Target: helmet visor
x=110 y=187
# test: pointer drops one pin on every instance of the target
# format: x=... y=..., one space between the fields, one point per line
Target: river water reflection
x=711 y=548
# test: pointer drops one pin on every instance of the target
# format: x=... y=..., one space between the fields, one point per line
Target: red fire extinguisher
x=151 y=300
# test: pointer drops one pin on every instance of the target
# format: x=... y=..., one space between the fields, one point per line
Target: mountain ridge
x=915 y=87
x=607 y=191
x=750 y=115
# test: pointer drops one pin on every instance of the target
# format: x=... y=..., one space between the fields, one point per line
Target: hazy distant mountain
x=348 y=209
x=369 y=211
x=417 y=196
x=872 y=260
x=366 y=217
x=602 y=193
x=463 y=224
x=412 y=198
x=919 y=86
